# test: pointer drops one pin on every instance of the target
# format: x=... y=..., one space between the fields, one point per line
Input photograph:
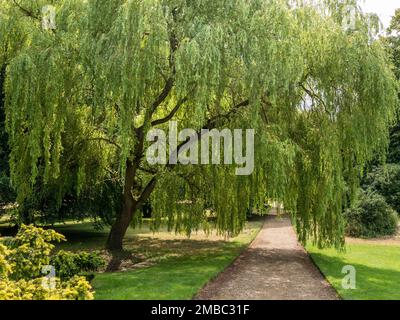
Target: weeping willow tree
x=87 y=183
x=320 y=98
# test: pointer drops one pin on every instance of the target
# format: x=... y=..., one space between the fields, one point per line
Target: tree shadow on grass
x=142 y=247
x=117 y=259
x=372 y=283
x=148 y=251
x=140 y=250
x=175 y=277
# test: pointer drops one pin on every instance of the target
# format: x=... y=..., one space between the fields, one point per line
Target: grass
x=175 y=278
x=172 y=266
x=164 y=265
x=377 y=270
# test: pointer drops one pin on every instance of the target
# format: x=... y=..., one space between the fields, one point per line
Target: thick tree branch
x=169 y=84
x=30 y=14
x=313 y=95
x=105 y=140
x=26 y=11
x=171 y=114
x=147 y=192
x=211 y=123
x=147 y=170
x=163 y=95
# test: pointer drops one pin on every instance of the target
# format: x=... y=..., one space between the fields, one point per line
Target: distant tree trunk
x=25 y=216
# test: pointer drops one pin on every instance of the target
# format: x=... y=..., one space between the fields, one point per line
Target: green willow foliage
x=394 y=41
x=320 y=98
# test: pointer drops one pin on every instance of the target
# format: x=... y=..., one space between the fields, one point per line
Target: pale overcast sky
x=384 y=8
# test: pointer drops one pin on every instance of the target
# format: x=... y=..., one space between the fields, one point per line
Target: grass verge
x=164 y=265
x=377 y=270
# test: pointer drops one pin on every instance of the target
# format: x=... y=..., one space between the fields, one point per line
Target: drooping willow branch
x=140 y=58
x=171 y=114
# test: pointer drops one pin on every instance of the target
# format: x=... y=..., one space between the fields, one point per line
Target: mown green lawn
x=160 y=265
x=178 y=267
x=175 y=278
x=377 y=270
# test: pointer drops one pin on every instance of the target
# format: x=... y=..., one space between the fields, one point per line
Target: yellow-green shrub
x=21 y=264
x=30 y=251
x=5 y=266
x=75 y=289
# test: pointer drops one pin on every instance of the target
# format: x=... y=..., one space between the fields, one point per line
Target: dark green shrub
x=371 y=217
x=64 y=264
x=394 y=148
x=7 y=194
x=88 y=262
x=69 y=264
x=385 y=180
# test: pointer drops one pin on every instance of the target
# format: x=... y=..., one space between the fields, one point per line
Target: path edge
x=242 y=250
x=322 y=274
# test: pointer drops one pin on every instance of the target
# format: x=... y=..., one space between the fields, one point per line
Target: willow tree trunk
x=129 y=208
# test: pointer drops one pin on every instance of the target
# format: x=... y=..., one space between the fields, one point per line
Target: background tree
x=55 y=197
x=375 y=212
x=393 y=40
x=320 y=98
x=385 y=178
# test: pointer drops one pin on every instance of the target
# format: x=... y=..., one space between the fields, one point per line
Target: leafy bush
x=22 y=261
x=65 y=264
x=5 y=266
x=88 y=262
x=68 y=264
x=75 y=289
x=31 y=251
x=371 y=217
x=385 y=180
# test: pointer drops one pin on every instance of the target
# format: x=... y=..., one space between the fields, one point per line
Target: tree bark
x=129 y=208
x=130 y=205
